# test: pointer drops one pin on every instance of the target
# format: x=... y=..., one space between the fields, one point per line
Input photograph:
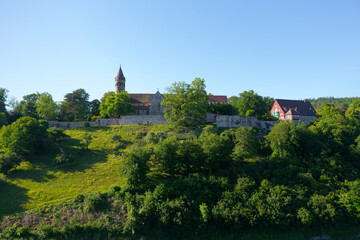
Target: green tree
x=25 y=136
x=46 y=107
x=135 y=166
x=247 y=143
x=86 y=139
x=27 y=107
x=2 y=119
x=330 y=114
x=95 y=107
x=7 y=161
x=186 y=104
x=75 y=106
x=223 y=109
x=3 y=96
x=353 y=111
x=115 y=105
x=286 y=139
x=233 y=100
x=166 y=158
x=252 y=104
x=215 y=151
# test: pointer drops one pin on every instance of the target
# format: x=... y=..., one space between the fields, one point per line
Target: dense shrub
x=56 y=134
x=25 y=136
x=86 y=139
x=7 y=161
x=62 y=158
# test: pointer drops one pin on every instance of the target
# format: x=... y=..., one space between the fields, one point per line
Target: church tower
x=119 y=81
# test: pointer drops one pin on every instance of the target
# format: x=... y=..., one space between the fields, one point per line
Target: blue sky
x=283 y=49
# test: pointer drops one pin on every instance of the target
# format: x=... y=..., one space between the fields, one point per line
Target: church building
x=148 y=103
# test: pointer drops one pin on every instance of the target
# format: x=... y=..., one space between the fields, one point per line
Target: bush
x=86 y=140
x=95 y=202
x=62 y=158
x=25 y=136
x=57 y=134
x=7 y=161
x=155 y=137
x=117 y=142
x=86 y=124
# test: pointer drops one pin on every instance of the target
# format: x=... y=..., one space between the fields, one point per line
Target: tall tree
x=186 y=104
x=95 y=107
x=353 y=111
x=252 y=104
x=116 y=104
x=27 y=106
x=46 y=107
x=75 y=106
x=3 y=96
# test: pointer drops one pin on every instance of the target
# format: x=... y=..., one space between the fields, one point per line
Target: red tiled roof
x=218 y=99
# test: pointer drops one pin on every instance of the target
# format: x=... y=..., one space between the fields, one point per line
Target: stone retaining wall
x=132 y=120
x=243 y=121
x=221 y=121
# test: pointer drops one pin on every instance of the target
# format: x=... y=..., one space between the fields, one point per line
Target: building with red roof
x=293 y=110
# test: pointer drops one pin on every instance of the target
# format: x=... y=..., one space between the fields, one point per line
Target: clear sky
x=284 y=49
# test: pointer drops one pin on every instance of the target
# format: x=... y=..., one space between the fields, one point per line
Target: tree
x=86 y=140
x=115 y=105
x=247 y=143
x=134 y=167
x=24 y=137
x=286 y=139
x=75 y=106
x=330 y=114
x=186 y=104
x=27 y=106
x=223 y=109
x=2 y=119
x=7 y=161
x=252 y=104
x=166 y=157
x=46 y=107
x=3 y=96
x=353 y=111
x=95 y=107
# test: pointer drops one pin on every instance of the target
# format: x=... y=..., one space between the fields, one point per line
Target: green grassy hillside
x=40 y=181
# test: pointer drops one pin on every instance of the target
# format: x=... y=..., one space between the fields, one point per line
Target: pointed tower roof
x=120 y=74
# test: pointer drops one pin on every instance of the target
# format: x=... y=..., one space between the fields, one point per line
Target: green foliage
x=57 y=134
x=25 y=136
x=286 y=140
x=95 y=202
x=7 y=161
x=75 y=106
x=186 y=104
x=155 y=137
x=353 y=112
x=27 y=106
x=62 y=158
x=114 y=105
x=94 y=106
x=46 y=108
x=342 y=103
x=3 y=119
x=86 y=139
x=166 y=158
x=3 y=96
x=215 y=150
x=250 y=103
x=223 y=109
x=135 y=166
x=247 y=143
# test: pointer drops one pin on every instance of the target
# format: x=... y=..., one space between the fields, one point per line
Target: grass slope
x=40 y=181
